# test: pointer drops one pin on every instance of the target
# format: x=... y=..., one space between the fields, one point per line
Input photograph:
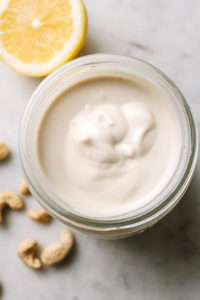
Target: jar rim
x=100 y=225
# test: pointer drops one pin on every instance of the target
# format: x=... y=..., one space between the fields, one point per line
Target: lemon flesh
x=37 y=36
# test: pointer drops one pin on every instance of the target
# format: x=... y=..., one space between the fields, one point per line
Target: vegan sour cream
x=109 y=145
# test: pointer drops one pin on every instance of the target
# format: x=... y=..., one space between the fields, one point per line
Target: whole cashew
x=39 y=215
x=26 y=251
x=56 y=252
x=4 y=150
x=12 y=200
x=23 y=188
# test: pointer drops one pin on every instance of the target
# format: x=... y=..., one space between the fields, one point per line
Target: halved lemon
x=37 y=36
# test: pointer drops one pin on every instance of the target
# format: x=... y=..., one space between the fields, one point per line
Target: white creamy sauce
x=103 y=143
x=109 y=145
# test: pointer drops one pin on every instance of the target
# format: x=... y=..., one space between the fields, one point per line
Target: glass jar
x=54 y=85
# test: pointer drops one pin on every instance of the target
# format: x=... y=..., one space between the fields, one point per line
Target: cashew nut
x=39 y=215
x=56 y=252
x=23 y=188
x=4 y=150
x=12 y=200
x=26 y=251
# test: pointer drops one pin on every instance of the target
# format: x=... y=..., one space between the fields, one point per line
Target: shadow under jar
x=108 y=145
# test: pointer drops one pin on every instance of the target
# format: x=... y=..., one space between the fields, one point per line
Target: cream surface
x=109 y=145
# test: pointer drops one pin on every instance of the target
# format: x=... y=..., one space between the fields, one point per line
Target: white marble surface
x=162 y=263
